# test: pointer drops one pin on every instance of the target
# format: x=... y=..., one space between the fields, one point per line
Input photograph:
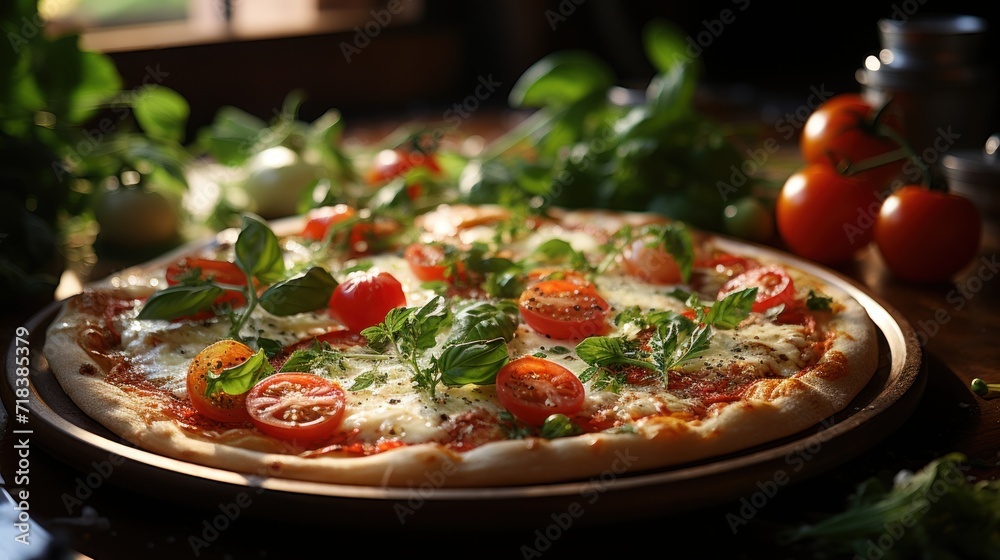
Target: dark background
x=771 y=53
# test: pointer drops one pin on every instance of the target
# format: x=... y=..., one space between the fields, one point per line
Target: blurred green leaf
x=162 y=113
x=232 y=136
x=561 y=78
x=665 y=45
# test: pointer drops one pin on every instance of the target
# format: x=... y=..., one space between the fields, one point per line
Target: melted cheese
x=392 y=408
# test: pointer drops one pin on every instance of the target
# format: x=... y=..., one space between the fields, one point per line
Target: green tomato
x=748 y=218
x=277 y=179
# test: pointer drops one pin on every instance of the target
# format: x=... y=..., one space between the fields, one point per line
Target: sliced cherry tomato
x=302 y=408
x=364 y=298
x=927 y=235
x=390 y=164
x=319 y=220
x=213 y=359
x=844 y=129
x=825 y=216
x=564 y=309
x=728 y=264
x=428 y=263
x=533 y=389
x=223 y=272
x=774 y=287
x=650 y=264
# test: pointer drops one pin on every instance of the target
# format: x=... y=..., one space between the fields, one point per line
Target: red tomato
x=427 y=261
x=216 y=357
x=221 y=272
x=319 y=220
x=825 y=216
x=843 y=129
x=650 y=264
x=774 y=287
x=298 y=407
x=533 y=389
x=363 y=299
x=728 y=265
x=390 y=164
x=927 y=235
x=563 y=309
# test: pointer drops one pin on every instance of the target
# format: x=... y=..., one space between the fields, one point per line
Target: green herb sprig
x=259 y=256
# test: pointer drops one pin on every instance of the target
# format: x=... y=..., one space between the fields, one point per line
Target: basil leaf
x=561 y=78
x=731 y=310
x=669 y=350
x=664 y=44
x=318 y=357
x=162 y=113
x=179 y=301
x=239 y=379
x=604 y=351
x=676 y=239
x=484 y=321
x=474 y=362
x=818 y=302
x=559 y=425
x=305 y=292
x=428 y=322
x=258 y=253
x=600 y=350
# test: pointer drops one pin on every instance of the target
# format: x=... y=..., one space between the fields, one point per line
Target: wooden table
x=958 y=324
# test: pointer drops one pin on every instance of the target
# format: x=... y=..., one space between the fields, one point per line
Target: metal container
x=936 y=70
x=975 y=174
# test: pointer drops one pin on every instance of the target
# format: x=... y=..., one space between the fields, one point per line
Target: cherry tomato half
x=774 y=287
x=428 y=263
x=650 y=264
x=390 y=164
x=825 y=216
x=534 y=388
x=843 y=129
x=927 y=235
x=213 y=359
x=563 y=309
x=222 y=272
x=319 y=220
x=364 y=298
x=302 y=408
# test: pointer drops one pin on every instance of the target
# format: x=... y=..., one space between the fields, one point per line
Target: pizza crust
x=774 y=409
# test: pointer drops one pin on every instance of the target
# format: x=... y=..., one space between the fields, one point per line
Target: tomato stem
x=925 y=170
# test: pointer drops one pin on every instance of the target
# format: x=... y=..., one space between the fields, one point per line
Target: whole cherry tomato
x=927 y=235
x=846 y=128
x=364 y=299
x=825 y=216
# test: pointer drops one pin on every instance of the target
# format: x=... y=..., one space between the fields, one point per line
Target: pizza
x=476 y=346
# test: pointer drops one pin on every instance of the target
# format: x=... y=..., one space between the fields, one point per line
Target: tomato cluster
x=852 y=192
